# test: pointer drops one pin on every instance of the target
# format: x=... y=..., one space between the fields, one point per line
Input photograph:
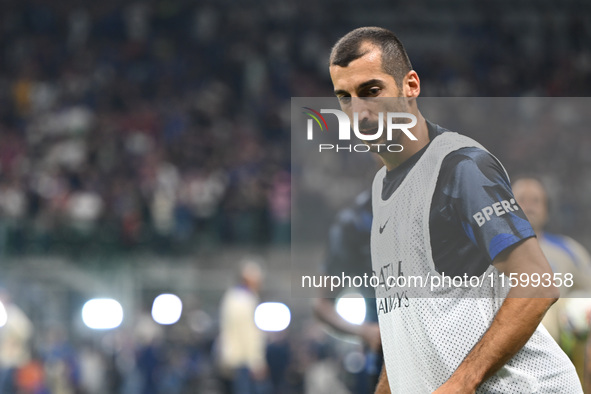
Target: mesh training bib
x=427 y=334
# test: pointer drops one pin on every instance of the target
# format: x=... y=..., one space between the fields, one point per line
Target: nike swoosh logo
x=384 y=226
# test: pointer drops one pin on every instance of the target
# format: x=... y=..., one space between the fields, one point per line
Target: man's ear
x=411 y=85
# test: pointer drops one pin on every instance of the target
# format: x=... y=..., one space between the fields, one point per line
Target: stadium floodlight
x=3 y=315
x=272 y=316
x=102 y=314
x=167 y=309
x=352 y=308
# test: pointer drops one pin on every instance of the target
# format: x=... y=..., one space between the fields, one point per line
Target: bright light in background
x=272 y=316
x=167 y=309
x=3 y=315
x=352 y=308
x=102 y=313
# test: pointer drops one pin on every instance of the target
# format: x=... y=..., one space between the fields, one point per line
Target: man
x=241 y=343
x=15 y=336
x=348 y=252
x=460 y=343
x=565 y=255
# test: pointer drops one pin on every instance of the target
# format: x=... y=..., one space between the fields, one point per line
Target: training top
x=427 y=333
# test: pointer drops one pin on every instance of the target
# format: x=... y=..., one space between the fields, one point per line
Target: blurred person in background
x=320 y=362
x=565 y=256
x=61 y=363
x=322 y=375
x=15 y=346
x=92 y=368
x=280 y=360
x=349 y=253
x=149 y=353
x=241 y=342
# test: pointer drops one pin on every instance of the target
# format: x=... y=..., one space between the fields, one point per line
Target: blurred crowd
x=139 y=124
x=185 y=358
x=165 y=124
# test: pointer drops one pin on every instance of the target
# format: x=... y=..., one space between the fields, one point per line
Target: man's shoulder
x=468 y=149
x=471 y=164
x=356 y=215
x=558 y=241
x=468 y=157
x=577 y=252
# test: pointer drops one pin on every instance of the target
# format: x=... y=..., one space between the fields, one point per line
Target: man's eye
x=374 y=91
x=345 y=99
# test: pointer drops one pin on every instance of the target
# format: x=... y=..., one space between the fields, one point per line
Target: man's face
x=530 y=195
x=252 y=279
x=359 y=83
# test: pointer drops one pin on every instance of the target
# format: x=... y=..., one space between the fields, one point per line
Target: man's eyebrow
x=362 y=85
x=370 y=82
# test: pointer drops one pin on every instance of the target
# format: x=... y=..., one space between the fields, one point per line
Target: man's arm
x=515 y=322
x=324 y=309
x=383 y=386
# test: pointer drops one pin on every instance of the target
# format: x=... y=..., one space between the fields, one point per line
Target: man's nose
x=360 y=106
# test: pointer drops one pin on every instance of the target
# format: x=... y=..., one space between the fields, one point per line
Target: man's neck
x=410 y=147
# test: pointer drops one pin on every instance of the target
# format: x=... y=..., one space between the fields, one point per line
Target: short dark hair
x=395 y=60
x=529 y=177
